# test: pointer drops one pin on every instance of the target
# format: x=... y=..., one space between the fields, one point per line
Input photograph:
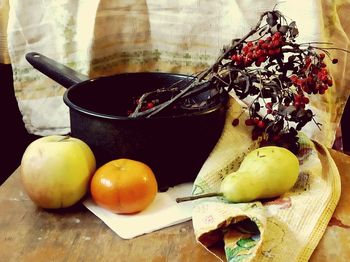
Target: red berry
x=276 y=43
x=297 y=98
x=329 y=82
x=265 y=46
x=300 y=82
x=245 y=49
x=250 y=55
x=235 y=122
x=277 y=51
x=306 y=100
x=234 y=58
x=259 y=52
x=261 y=42
x=248 y=61
x=249 y=122
x=268 y=105
x=261 y=124
x=276 y=35
x=262 y=59
x=324 y=71
x=306 y=89
x=293 y=78
x=324 y=78
x=309 y=79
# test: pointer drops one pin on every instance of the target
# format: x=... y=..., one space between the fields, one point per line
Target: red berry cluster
x=258 y=51
x=255 y=122
x=259 y=125
x=300 y=101
x=286 y=74
x=315 y=78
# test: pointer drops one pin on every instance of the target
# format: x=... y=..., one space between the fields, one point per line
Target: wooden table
x=31 y=234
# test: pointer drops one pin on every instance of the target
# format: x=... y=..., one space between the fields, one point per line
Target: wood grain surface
x=28 y=233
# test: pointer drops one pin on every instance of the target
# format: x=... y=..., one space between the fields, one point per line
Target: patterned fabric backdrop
x=104 y=37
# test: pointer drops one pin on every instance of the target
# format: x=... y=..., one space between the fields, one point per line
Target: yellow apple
x=56 y=170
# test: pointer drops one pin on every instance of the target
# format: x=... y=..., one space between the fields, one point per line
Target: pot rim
x=80 y=109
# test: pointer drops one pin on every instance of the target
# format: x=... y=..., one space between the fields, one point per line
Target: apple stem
x=63 y=138
x=190 y=198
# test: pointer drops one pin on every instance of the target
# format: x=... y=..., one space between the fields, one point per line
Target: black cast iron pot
x=175 y=147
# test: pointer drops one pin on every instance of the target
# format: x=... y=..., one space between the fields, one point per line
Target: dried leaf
x=274 y=29
x=283 y=29
x=271 y=19
x=294 y=32
x=286 y=110
x=293 y=24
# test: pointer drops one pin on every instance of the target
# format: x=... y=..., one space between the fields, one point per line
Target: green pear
x=265 y=172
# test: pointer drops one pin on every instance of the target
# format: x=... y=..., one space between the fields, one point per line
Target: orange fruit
x=124 y=186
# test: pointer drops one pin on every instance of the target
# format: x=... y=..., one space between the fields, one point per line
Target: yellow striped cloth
x=289 y=227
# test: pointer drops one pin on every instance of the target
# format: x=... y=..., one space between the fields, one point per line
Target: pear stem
x=190 y=198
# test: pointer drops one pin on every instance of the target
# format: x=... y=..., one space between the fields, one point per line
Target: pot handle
x=56 y=71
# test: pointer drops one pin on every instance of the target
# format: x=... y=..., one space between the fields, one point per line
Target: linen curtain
x=104 y=37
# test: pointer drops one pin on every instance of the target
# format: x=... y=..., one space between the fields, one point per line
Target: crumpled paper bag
x=287 y=227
